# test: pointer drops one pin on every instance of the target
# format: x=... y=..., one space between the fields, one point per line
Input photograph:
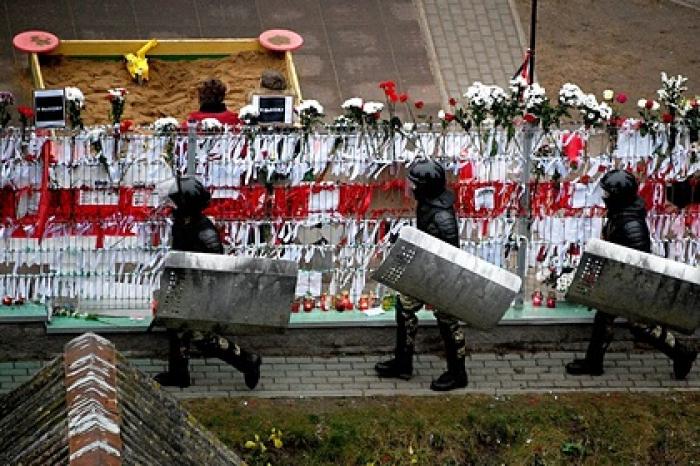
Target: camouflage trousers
x=406 y=318
x=206 y=342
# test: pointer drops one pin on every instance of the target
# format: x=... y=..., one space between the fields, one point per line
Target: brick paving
x=347 y=376
x=472 y=40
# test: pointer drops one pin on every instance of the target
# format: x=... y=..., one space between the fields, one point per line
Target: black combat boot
x=603 y=332
x=681 y=353
x=178 y=374
x=456 y=375
x=401 y=365
x=246 y=362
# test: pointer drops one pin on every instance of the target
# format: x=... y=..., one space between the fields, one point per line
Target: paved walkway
x=472 y=40
x=489 y=373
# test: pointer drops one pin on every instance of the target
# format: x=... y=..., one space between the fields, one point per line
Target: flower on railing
x=26 y=115
x=594 y=113
x=649 y=111
x=75 y=101
x=392 y=97
x=7 y=99
x=168 y=127
x=538 y=107
x=249 y=114
x=570 y=96
x=310 y=113
x=211 y=125
x=126 y=125
x=117 y=99
x=671 y=91
x=615 y=120
x=353 y=110
x=690 y=111
x=445 y=118
x=507 y=111
x=482 y=99
x=372 y=112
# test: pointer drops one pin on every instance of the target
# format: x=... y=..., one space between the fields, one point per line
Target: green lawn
x=615 y=429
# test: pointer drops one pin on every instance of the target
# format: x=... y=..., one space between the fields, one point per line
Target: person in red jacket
x=211 y=104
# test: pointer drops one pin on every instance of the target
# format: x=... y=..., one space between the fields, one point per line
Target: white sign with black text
x=50 y=108
x=274 y=108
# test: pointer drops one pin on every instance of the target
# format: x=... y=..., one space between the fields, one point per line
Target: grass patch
x=587 y=429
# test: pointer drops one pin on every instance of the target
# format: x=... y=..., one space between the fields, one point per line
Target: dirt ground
x=171 y=91
x=618 y=45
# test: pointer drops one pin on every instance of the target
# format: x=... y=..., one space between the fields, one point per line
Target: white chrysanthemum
x=370 y=108
x=165 y=124
x=95 y=135
x=73 y=94
x=605 y=111
x=342 y=120
x=608 y=94
x=247 y=112
x=211 y=124
x=534 y=95
x=641 y=103
x=354 y=102
x=118 y=93
x=518 y=84
x=441 y=114
x=590 y=101
x=655 y=105
x=305 y=105
x=496 y=96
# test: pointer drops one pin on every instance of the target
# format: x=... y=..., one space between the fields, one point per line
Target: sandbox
x=176 y=68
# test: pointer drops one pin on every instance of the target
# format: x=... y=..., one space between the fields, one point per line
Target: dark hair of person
x=211 y=96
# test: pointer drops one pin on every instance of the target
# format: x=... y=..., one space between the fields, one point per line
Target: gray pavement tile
x=182 y=20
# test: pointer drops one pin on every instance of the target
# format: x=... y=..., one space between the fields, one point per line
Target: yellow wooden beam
x=169 y=47
x=292 y=77
x=36 y=71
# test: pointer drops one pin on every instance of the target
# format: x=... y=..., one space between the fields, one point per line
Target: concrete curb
x=432 y=53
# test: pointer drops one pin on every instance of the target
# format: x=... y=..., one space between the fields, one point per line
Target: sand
x=171 y=91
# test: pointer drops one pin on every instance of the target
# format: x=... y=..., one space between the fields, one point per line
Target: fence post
x=191 y=147
x=525 y=220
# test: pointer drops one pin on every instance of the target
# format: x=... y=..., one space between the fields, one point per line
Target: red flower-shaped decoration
x=25 y=111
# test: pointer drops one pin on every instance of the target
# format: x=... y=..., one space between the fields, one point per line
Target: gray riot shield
x=636 y=285
x=241 y=295
x=454 y=281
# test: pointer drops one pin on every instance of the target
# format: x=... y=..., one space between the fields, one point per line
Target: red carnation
x=419 y=104
x=585 y=179
x=403 y=97
x=667 y=118
x=393 y=96
x=694 y=103
x=453 y=101
x=449 y=116
x=25 y=111
x=386 y=85
x=649 y=104
x=602 y=168
x=126 y=125
x=621 y=98
x=530 y=118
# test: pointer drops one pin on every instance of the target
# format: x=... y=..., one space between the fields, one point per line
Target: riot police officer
x=192 y=231
x=627 y=226
x=435 y=215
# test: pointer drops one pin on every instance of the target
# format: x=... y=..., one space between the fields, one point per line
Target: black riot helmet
x=188 y=195
x=428 y=178
x=620 y=187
